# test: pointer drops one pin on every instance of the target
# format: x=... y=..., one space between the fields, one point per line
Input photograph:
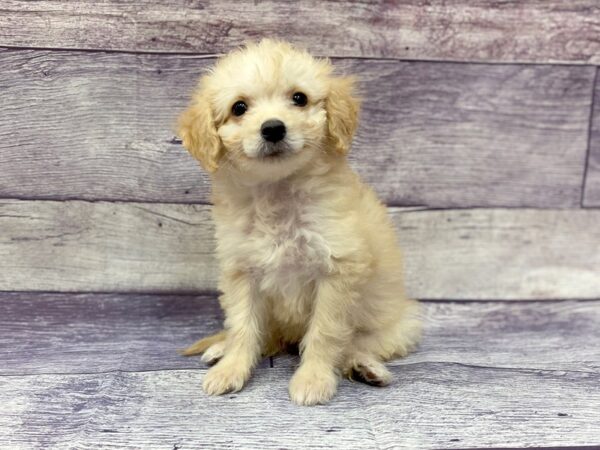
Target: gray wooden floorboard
x=479 y=254
x=430 y=405
x=93 y=333
x=52 y=333
x=592 y=183
x=476 y=30
x=89 y=333
x=100 y=126
x=91 y=371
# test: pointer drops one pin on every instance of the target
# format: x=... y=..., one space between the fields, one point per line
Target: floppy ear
x=197 y=130
x=342 y=113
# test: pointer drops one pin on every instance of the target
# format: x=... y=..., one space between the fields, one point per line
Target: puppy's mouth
x=274 y=151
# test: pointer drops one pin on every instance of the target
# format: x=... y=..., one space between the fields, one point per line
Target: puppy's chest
x=280 y=240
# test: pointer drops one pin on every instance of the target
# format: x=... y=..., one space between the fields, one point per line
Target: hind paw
x=214 y=353
x=372 y=373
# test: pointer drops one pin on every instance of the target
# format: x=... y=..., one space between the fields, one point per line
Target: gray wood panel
x=99 y=126
x=450 y=254
x=455 y=135
x=592 y=179
x=52 y=333
x=430 y=405
x=480 y=30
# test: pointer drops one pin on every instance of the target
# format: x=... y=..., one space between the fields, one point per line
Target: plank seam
x=216 y=293
x=411 y=207
x=16 y=48
x=513 y=369
x=588 y=153
x=565 y=447
x=335 y=57
x=198 y=293
x=515 y=301
x=267 y=366
x=101 y=200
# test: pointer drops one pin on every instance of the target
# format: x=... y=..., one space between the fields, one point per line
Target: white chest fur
x=277 y=236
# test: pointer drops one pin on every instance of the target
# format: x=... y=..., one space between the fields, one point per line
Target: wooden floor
x=102 y=371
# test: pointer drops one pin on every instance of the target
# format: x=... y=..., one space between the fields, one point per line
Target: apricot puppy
x=307 y=252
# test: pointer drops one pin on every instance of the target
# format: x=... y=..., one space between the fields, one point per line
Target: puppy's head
x=267 y=110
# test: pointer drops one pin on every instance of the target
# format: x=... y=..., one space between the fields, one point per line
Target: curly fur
x=307 y=253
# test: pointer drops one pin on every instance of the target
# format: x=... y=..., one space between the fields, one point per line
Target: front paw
x=312 y=385
x=224 y=377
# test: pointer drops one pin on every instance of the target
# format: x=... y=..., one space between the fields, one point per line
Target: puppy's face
x=267 y=110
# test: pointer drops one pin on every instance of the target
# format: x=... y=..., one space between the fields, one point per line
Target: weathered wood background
x=474 y=30
x=98 y=126
x=481 y=131
x=466 y=254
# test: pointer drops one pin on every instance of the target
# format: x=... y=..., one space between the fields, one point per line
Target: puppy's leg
x=324 y=344
x=398 y=338
x=368 y=349
x=245 y=320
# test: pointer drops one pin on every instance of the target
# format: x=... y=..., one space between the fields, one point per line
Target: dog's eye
x=299 y=99
x=239 y=108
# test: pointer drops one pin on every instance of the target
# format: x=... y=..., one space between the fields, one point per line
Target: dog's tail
x=203 y=344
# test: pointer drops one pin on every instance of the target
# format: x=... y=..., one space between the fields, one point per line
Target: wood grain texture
x=93 y=333
x=99 y=126
x=592 y=179
x=448 y=135
x=450 y=254
x=430 y=405
x=52 y=333
x=460 y=30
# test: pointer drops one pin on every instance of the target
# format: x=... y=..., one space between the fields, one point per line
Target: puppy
x=307 y=253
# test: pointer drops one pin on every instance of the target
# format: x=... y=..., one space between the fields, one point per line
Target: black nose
x=273 y=130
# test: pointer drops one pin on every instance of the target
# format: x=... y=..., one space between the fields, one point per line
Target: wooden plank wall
x=479 y=130
x=434 y=134
x=466 y=254
x=592 y=180
x=460 y=30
